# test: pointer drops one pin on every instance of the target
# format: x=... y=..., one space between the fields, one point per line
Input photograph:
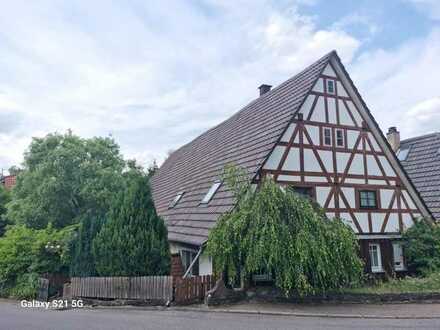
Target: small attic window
x=330 y=86
x=403 y=153
x=176 y=199
x=211 y=192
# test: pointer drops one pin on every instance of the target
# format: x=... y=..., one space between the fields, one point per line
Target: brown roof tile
x=244 y=139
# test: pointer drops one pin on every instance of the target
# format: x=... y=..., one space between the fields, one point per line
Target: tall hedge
x=278 y=231
x=133 y=240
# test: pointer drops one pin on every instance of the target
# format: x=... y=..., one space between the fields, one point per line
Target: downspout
x=193 y=262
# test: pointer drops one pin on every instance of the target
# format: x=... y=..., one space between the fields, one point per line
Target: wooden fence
x=159 y=288
x=192 y=289
x=136 y=288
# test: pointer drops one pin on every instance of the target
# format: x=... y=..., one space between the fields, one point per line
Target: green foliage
x=26 y=286
x=427 y=284
x=133 y=241
x=4 y=199
x=25 y=252
x=277 y=230
x=65 y=176
x=422 y=247
x=82 y=260
x=14 y=170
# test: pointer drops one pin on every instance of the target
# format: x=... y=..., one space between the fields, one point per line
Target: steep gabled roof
x=244 y=139
x=423 y=167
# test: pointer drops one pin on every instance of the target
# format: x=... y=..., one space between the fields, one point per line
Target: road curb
x=272 y=313
x=296 y=314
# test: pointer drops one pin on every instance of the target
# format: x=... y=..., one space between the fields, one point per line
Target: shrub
x=276 y=230
x=25 y=252
x=422 y=247
x=26 y=286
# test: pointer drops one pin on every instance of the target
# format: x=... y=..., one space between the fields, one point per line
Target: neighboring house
x=420 y=156
x=8 y=181
x=312 y=132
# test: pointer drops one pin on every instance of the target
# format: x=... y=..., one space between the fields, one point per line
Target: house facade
x=8 y=181
x=313 y=133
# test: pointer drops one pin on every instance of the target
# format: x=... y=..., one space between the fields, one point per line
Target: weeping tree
x=276 y=230
x=133 y=240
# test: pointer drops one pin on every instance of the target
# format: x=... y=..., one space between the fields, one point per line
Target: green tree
x=422 y=247
x=133 y=241
x=82 y=260
x=25 y=253
x=64 y=177
x=278 y=231
x=4 y=199
x=14 y=170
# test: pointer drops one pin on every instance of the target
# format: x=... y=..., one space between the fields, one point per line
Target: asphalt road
x=14 y=317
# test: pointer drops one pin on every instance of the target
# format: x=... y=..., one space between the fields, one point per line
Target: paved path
x=13 y=317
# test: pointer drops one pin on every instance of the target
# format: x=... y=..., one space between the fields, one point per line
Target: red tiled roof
x=244 y=139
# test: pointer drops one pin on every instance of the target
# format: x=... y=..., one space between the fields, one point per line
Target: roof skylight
x=176 y=199
x=403 y=153
x=211 y=192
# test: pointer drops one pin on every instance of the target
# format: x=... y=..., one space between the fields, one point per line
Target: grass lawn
x=427 y=284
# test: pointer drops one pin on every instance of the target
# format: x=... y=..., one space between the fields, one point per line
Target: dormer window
x=176 y=199
x=211 y=192
x=331 y=86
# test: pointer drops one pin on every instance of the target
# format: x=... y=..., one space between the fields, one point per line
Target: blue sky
x=156 y=74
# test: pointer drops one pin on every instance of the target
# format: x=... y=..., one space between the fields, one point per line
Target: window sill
x=378 y=271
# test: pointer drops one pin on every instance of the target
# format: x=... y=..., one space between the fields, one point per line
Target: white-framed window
x=176 y=199
x=368 y=199
x=375 y=258
x=340 y=141
x=211 y=192
x=330 y=86
x=398 y=257
x=327 y=138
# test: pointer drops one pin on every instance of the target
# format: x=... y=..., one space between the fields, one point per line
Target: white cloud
x=395 y=82
x=152 y=77
x=155 y=78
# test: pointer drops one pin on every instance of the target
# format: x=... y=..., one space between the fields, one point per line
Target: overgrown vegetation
x=276 y=230
x=68 y=191
x=427 y=284
x=422 y=247
x=26 y=253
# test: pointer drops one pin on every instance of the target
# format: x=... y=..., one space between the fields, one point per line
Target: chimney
x=393 y=137
x=264 y=89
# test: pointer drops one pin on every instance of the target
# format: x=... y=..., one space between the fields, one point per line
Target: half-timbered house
x=314 y=133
